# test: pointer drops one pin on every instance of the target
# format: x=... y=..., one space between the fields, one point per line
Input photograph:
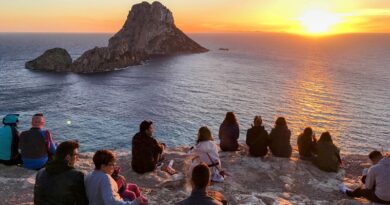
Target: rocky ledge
x=148 y=31
x=251 y=181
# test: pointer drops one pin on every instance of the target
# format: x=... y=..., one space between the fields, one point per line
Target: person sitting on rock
x=377 y=186
x=257 y=138
x=328 y=154
x=229 y=132
x=100 y=187
x=36 y=145
x=374 y=156
x=279 y=139
x=9 y=141
x=59 y=182
x=146 y=150
x=306 y=144
x=200 y=179
x=206 y=151
x=127 y=191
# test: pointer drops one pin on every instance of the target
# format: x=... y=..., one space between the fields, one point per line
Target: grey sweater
x=378 y=179
x=101 y=189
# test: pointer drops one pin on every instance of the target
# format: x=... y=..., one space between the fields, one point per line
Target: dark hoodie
x=280 y=142
x=257 y=140
x=146 y=152
x=59 y=184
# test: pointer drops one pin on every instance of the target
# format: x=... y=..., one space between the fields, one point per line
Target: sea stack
x=148 y=31
x=55 y=59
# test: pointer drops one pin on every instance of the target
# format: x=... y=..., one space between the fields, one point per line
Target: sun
x=318 y=21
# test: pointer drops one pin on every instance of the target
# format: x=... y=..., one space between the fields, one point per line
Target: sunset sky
x=292 y=16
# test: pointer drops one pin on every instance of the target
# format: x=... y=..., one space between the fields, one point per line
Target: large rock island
x=148 y=31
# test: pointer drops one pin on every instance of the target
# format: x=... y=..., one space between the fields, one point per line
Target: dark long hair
x=230 y=118
x=325 y=137
x=281 y=122
x=308 y=132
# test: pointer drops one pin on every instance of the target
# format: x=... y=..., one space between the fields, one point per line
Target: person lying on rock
x=206 y=151
x=60 y=182
x=257 y=138
x=36 y=145
x=279 y=139
x=200 y=179
x=377 y=183
x=100 y=187
x=147 y=152
x=307 y=144
x=229 y=132
x=328 y=154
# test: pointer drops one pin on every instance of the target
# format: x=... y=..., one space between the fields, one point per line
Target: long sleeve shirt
x=101 y=189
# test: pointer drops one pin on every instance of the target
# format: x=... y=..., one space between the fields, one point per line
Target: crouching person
x=377 y=183
x=101 y=188
x=59 y=182
x=200 y=180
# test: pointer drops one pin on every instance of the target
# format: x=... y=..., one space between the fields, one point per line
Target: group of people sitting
x=60 y=183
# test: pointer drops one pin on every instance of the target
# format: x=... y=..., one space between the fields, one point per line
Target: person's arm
x=236 y=132
x=370 y=179
x=53 y=146
x=108 y=197
x=248 y=137
x=79 y=191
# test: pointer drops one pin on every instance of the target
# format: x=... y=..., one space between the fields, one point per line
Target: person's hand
x=137 y=201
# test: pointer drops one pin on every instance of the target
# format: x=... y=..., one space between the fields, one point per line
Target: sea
x=339 y=84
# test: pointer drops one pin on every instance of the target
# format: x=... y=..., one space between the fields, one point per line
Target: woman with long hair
x=229 y=132
x=206 y=151
x=279 y=139
x=328 y=154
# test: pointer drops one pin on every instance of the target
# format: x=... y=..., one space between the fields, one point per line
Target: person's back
x=257 y=140
x=146 y=151
x=59 y=182
x=199 y=197
x=36 y=144
x=306 y=144
x=378 y=179
x=9 y=140
x=279 y=139
x=328 y=155
x=229 y=132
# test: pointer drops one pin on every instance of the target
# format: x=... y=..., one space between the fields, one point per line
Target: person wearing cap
x=36 y=145
x=9 y=140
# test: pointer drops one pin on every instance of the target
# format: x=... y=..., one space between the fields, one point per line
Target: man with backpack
x=36 y=145
x=9 y=140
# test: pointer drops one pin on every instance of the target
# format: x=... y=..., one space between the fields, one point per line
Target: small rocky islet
x=148 y=31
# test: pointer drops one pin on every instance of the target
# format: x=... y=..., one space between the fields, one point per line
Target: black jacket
x=280 y=142
x=59 y=184
x=146 y=152
x=257 y=140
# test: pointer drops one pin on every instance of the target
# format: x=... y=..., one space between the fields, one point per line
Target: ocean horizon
x=336 y=83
